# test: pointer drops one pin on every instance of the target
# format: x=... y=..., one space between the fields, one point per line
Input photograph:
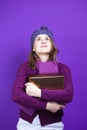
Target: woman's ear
x=33 y=49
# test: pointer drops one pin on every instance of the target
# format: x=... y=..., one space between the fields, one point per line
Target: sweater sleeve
x=19 y=95
x=64 y=95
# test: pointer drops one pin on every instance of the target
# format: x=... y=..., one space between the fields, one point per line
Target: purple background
x=68 y=21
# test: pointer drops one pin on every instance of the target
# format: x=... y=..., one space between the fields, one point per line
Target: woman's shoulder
x=63 y=66
x=24 y=64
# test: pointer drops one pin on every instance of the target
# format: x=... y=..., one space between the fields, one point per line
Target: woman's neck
x=43 y=57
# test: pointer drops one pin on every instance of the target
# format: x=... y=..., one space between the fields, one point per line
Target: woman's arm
x=61 y=96
x=19 y=95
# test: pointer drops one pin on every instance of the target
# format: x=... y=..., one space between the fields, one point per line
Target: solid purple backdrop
x=68 y=21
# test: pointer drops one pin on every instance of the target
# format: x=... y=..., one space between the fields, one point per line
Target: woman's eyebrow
x=38 y=37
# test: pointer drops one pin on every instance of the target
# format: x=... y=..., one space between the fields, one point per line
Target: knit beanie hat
x=42 y=30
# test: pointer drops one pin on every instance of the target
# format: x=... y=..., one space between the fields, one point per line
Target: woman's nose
x=43 y=41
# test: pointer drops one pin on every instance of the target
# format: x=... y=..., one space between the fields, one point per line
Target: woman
x=41 y=109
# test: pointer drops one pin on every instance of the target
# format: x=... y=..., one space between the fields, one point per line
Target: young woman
x=41 y=109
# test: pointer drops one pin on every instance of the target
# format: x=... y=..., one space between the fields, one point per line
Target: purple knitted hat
x=42 y=30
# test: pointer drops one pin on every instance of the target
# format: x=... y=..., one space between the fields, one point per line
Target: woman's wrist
x=39 y=93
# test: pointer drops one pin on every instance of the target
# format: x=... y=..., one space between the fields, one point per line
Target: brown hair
x=33 y=57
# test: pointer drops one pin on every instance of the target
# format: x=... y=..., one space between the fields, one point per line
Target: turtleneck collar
x=47 y=67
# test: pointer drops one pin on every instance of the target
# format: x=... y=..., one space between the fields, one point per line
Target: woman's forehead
x=42 y=36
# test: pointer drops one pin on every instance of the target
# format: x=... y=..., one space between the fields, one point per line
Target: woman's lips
x=43 y=46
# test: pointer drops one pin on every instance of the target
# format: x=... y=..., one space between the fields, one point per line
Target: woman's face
x=42 y=44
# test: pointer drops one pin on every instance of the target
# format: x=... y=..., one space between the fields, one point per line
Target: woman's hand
x=54 y=107
x=32 y=89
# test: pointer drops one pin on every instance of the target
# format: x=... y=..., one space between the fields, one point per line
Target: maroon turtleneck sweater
x=31 y=106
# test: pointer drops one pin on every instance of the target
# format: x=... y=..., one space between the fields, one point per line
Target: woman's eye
x=38 y=39
x=47 y=38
